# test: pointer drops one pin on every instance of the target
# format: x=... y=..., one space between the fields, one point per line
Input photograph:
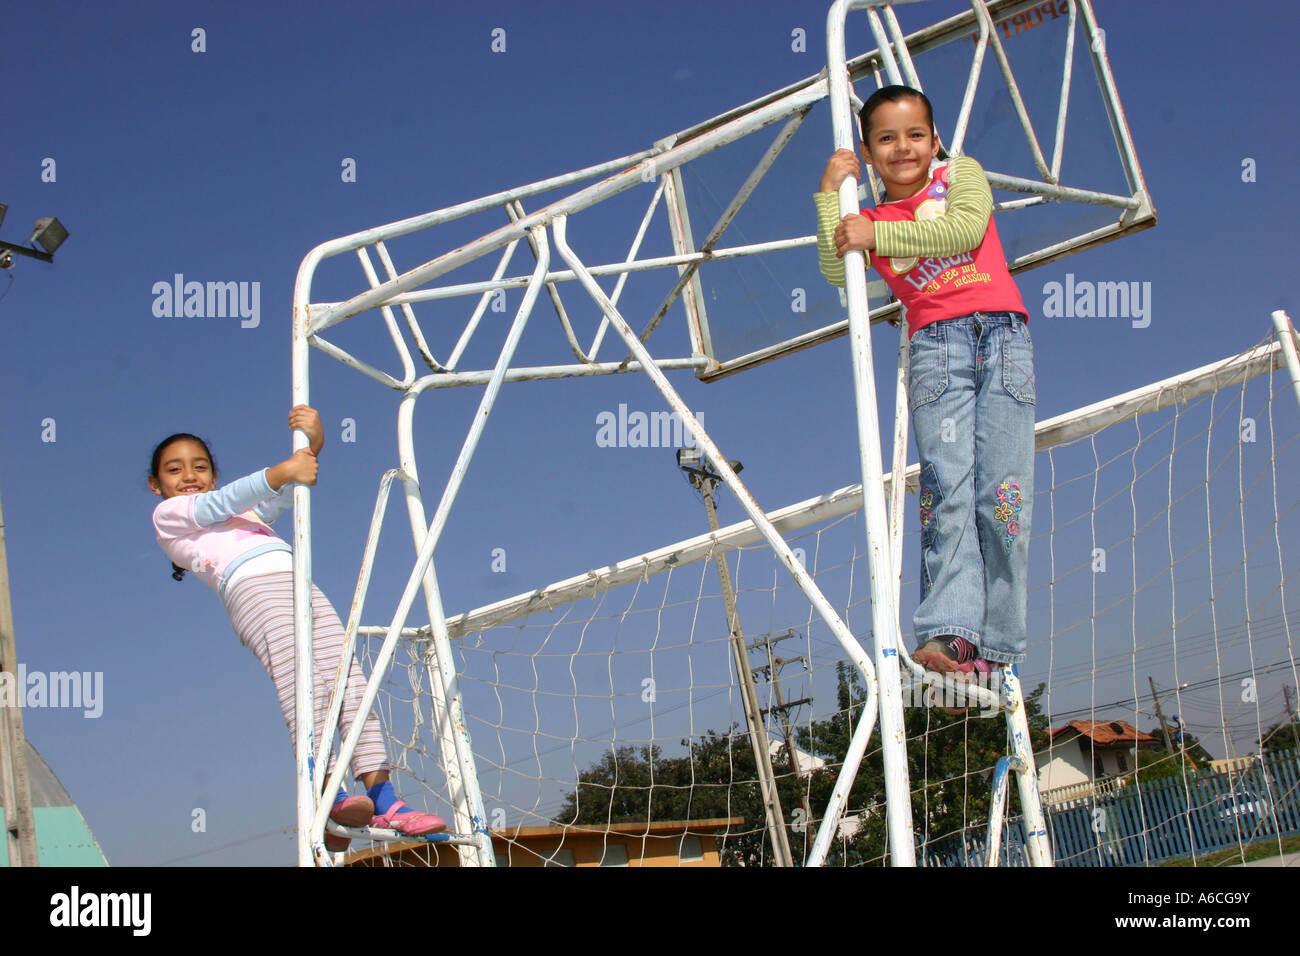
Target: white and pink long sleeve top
x=215 y=532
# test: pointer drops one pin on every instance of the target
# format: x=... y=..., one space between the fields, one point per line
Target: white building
x=1083 y=753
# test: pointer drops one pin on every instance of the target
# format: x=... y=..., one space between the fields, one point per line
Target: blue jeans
x=972 y=396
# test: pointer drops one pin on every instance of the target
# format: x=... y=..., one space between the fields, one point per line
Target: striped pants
x=261 y=610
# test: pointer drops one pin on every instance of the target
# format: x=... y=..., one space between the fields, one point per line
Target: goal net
x=608 y=723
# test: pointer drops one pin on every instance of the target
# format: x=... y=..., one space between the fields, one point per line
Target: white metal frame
x=402 y=290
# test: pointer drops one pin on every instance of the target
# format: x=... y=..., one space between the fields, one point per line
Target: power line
x=1280 y=665
x=226 y=846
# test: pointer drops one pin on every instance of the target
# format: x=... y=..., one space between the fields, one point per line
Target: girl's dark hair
x=895 y=94
x=178 y=573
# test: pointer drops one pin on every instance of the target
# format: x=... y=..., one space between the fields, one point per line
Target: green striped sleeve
x=828 y=217
x=960 y=229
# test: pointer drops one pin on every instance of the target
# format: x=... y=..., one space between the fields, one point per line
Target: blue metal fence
x=1151 y=822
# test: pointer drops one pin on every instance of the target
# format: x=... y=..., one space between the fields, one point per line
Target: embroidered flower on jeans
x=927 y=503
x=1008 y=512
x=1009 y=491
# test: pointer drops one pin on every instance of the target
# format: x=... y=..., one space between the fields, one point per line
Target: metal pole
x=1286 y=335
x=1026 y=771
x=884 y=617
x=304 y=687
x=749 y=695
x=997 y=807
x=27 y=251
x=15 y=785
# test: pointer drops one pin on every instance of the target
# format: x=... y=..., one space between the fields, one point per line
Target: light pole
x=15 y=783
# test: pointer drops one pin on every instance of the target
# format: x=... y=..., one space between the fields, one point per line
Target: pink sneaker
x=348 y=812
x=951 y=654
x=955 y=656
x=411 y=823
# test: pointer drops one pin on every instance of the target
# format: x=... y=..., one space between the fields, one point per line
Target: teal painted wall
x=62 y=839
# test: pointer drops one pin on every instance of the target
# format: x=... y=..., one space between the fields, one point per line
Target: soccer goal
x=607 y=709
x=535 y=727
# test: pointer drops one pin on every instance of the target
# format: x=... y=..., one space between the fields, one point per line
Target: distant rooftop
x=1106 y=732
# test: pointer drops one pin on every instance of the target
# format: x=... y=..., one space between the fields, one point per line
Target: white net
x=608 y=724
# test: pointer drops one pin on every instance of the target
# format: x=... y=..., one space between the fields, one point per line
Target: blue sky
x=225 y=165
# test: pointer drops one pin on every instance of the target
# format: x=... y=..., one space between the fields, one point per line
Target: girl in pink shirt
x=973 y=389
x=222 y=535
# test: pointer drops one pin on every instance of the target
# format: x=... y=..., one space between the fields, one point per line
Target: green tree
x=715 y=778
x=1162 y=762
x=1154 y=765
x=950 y=761
x=1282 y=735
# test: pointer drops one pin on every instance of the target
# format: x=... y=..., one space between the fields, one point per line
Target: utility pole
x=706 y=481
x=782 y=708
x=15 y=784
x=1169 y=745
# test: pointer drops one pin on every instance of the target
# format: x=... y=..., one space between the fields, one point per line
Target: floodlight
x=49 y=232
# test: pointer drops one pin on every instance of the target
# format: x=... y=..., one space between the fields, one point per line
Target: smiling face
x=184 y=468
x=900 y=145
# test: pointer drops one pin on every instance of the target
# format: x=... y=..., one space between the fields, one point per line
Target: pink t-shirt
x=944 y=287
x=213 y=533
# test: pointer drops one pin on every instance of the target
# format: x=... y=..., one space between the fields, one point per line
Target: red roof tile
x=1104 y=732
